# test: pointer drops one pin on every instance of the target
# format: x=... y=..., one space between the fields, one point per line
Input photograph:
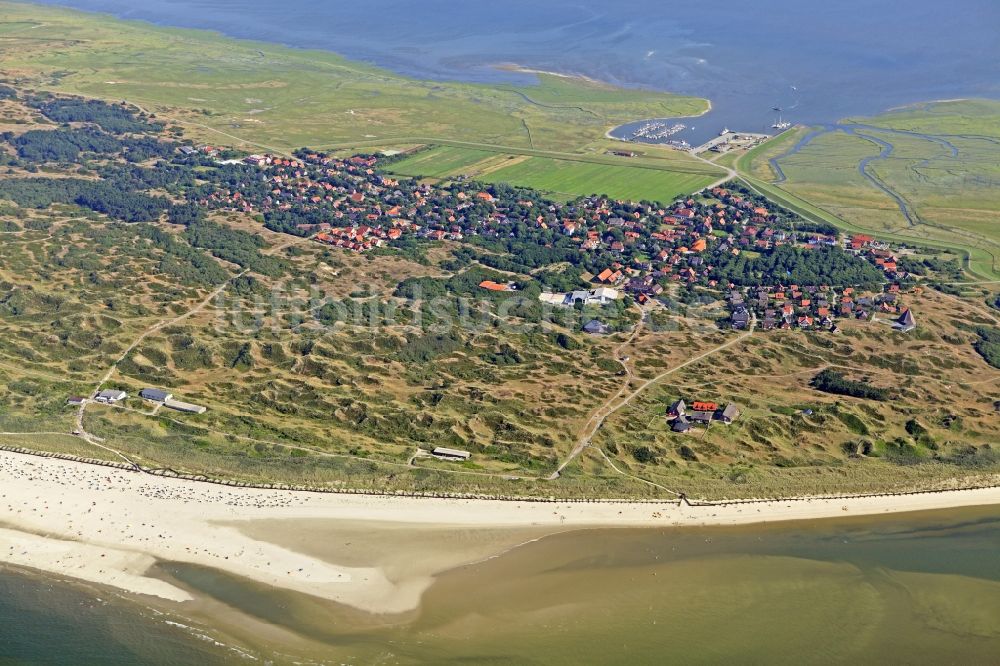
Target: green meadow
x=944 y=164
x=440 y=162
x=273 y=96
x=567 y=179
x=563 y=178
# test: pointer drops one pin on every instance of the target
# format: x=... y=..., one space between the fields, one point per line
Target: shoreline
x=608 y=135
x=109 y=526
x=521 y=69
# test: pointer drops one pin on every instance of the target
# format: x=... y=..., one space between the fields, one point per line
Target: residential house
x=110 y=396
x=730 y=413
x=677 y=408
x=595 y=327
x=704 y=418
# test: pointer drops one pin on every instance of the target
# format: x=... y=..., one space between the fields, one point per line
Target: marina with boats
x=697 y=135
x=677 y=133
x=658 y=131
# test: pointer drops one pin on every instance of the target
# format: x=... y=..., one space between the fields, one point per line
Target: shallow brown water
x=918 y=588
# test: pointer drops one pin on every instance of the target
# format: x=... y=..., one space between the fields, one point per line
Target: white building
x=110 y=396
x=184 y=406
x=450 y=454
x=599 y=296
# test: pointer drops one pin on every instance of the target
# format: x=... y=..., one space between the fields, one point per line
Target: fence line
x=231 y=483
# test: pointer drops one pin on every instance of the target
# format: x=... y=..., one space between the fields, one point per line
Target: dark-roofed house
x=594 y=327
x=155 y=394
x=906 y=322
x=677 y=409
x=740 y=318
x=681 y=424
x=730 y=413
x=702 y=417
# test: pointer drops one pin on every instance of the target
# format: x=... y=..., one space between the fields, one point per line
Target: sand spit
x=109 y=526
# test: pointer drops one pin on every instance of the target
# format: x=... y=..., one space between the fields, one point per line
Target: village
x=767 y=264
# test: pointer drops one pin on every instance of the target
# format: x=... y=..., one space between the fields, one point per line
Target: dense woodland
x=831 y=381
x=824 y=265
x=988 y=344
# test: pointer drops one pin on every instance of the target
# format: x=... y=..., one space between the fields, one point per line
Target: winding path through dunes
x=613 y=404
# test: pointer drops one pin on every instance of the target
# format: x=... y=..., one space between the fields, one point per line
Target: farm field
x=567 y=179
x=441 y=162
x=562 y=178
x=931 y=176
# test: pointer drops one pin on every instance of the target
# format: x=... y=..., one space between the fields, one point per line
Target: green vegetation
x=239 y=247
x=267 y=95
x=564 y=178
x=988 y=345
x=440 y=162
x=111 y=118
x=567 y=179
x=943 y=165
x=100 y=196
x=791 y=265
x=832 y=381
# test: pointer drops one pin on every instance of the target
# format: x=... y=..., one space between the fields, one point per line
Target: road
x=81 y=430
x=584 y=440
x=730 y=172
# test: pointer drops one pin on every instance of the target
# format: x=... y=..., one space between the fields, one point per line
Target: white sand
x=108 y=526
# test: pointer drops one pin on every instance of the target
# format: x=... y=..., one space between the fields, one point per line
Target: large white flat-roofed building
x=450 y=454
x=184 y=406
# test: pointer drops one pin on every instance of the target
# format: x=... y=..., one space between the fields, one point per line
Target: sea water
x=908 y=588
x=815 y=61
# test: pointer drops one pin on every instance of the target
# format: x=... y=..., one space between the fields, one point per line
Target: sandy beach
x=110 y=526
